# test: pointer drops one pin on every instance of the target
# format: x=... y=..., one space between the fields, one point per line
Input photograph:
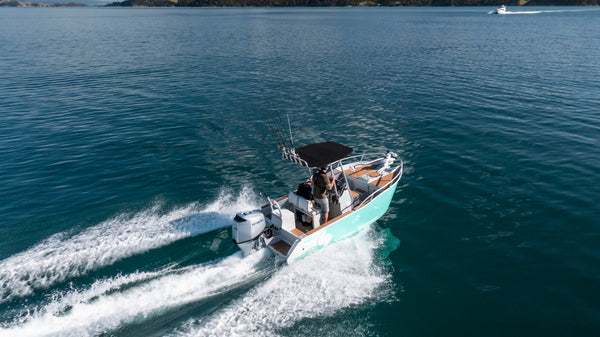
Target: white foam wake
x=62 y=256
x=341 y=276
x=525 y=12
x=107 y=304
x=543 y=11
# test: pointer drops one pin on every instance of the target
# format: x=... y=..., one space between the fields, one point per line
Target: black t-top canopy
x=320 y=154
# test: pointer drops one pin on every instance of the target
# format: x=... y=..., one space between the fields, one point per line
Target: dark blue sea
x=129 y=138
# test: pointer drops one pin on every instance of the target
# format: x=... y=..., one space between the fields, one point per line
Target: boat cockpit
x=355 y=185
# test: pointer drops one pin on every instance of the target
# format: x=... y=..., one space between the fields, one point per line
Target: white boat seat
x=287 y=220
x=302 y=204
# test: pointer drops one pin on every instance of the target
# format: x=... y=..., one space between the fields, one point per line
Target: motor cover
x=247 y=226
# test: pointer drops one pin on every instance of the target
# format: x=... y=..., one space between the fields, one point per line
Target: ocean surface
x=129 y=138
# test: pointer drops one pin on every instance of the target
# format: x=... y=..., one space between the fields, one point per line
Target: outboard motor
x=246 y=230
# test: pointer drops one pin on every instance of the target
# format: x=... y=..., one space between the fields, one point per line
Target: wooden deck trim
x=353 y=194
x=327 y=223
x=297 y=232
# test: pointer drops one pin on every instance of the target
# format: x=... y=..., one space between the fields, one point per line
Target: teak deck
x=282 y=247
x=297 y=231
x=370 y=170
x=361 y=170
x=383 y=180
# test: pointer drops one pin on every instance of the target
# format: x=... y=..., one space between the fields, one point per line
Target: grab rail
x=377 y=192
x=377 y=156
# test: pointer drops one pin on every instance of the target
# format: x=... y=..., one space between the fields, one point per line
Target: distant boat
x=500 y=10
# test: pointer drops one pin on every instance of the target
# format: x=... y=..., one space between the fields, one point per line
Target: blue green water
x=129 y=138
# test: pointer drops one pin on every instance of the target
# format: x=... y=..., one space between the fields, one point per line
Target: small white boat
x=500 y=10
x=290 y=227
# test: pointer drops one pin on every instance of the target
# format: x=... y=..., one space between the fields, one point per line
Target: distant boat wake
x=541 y=12
x=509 y=12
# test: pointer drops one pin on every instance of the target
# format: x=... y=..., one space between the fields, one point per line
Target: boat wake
x=64 y=256
x=509 y=12
x=43 y=290
x=345 y=275
x=340 y=276
x=109 y=303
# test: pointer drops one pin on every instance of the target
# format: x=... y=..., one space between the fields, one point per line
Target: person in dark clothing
x=305 y=190
x=322 y=184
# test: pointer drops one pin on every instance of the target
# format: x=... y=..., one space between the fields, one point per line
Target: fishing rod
x=280 y=129
x=276 y=119
x=280 y=142
x=277 y=132
x=274 y=136
x=290 y=127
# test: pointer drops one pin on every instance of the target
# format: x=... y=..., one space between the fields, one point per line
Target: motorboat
x=500 y=10
x=291 y=226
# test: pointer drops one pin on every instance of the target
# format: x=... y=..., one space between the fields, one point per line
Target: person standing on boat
x=321 y=184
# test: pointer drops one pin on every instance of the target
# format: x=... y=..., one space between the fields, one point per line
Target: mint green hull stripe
x=346 y=226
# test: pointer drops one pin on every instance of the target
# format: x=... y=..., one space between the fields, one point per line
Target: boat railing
x=362 y=157
x=380 y=190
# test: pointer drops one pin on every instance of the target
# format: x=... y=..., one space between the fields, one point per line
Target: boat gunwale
x=380 y=190
x=371 y=197
x=374 y=195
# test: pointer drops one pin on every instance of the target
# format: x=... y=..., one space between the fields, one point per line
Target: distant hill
x=343 y=3
x=13 y=3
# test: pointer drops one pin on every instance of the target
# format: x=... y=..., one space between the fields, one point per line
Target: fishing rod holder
x=292 y=156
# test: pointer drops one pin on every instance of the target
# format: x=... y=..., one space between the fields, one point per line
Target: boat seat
x=302 y=204
x=287 y=220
